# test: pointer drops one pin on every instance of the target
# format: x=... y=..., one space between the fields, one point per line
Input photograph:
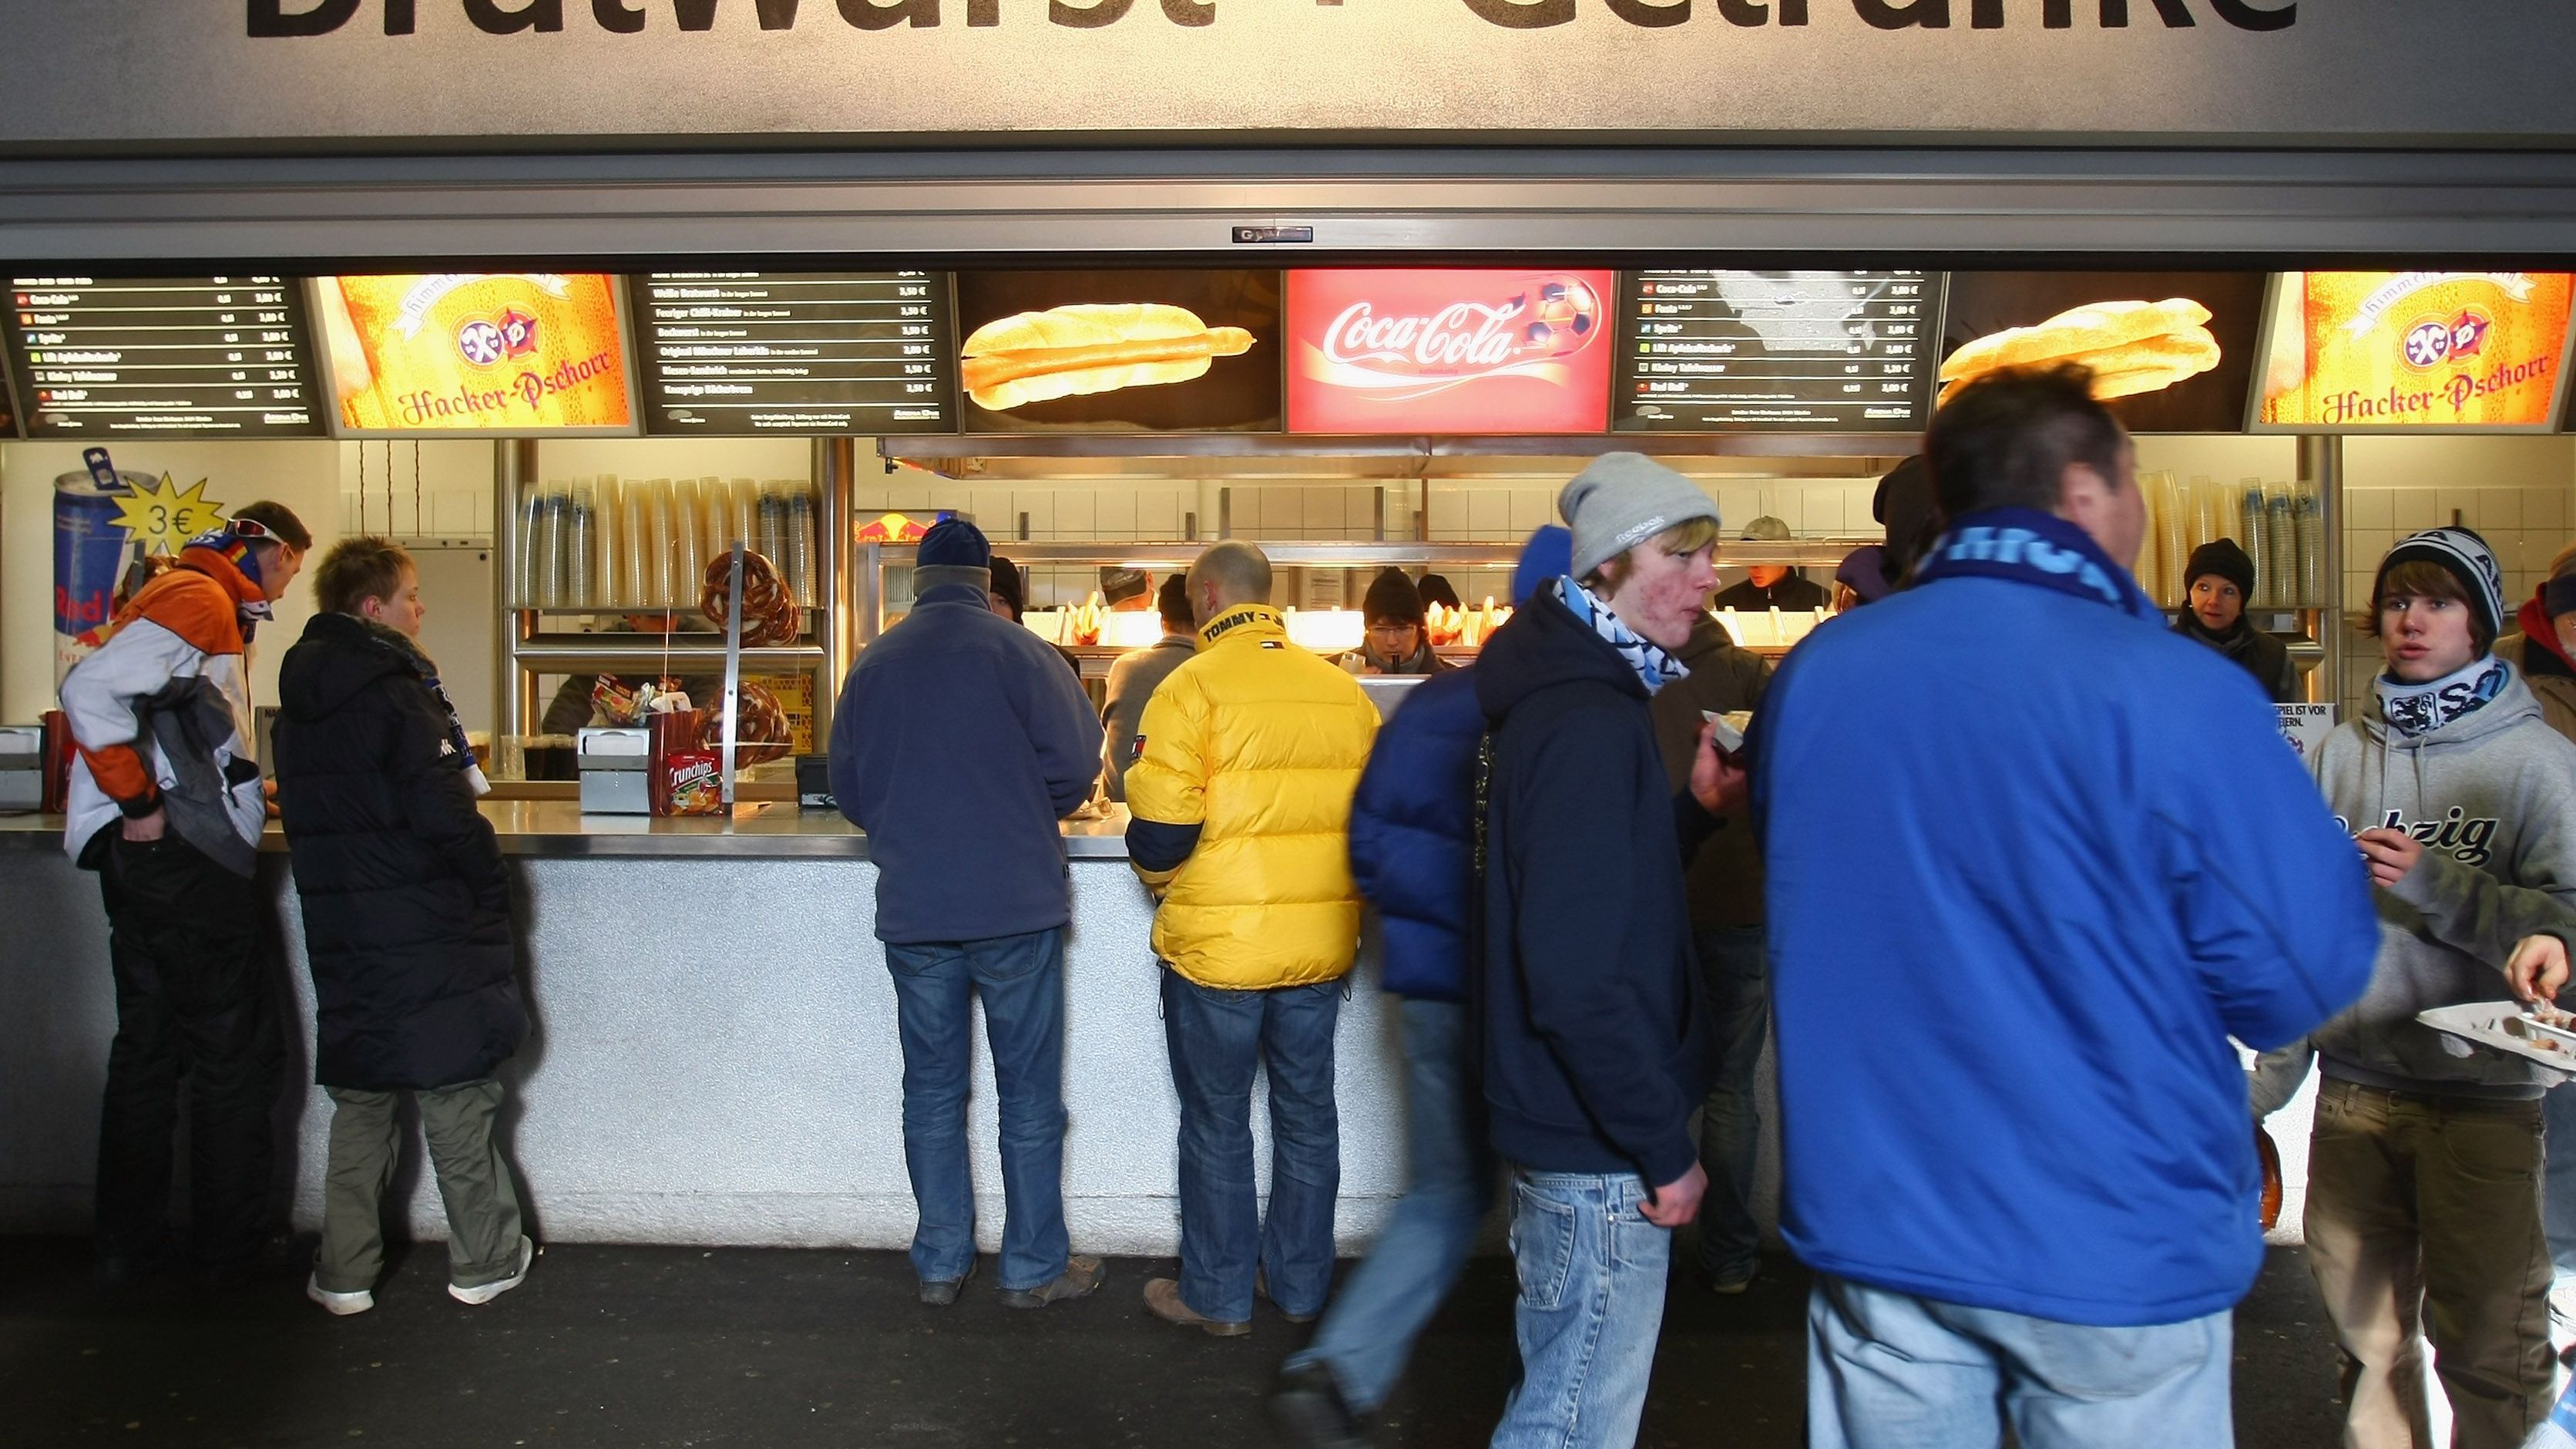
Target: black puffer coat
x=406 y=902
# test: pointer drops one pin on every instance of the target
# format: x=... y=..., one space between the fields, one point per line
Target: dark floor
x=637 y=1348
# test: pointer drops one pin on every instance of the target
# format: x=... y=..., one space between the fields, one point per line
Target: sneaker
x=1080 y=1278
x=340 y=1304
x=1309 y=1406
x=1163 y=1300
x=1261 y=1290
x=940 y=1292
x=482 y=1293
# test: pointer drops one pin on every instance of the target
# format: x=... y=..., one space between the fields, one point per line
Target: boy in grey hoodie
x=2424 y=1172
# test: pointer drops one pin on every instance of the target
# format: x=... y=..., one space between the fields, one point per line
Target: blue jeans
x=1591 y=1304
x=1732 y=961
x=1893 y=1371
x=2558 y=1180
x=1216 y=1039
x=1393 y=1293
x=1021 y=979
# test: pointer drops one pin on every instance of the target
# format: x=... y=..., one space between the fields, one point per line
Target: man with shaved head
x=1240 y=788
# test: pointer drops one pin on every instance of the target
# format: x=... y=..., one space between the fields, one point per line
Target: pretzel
x=760 y=732
x=770 y=614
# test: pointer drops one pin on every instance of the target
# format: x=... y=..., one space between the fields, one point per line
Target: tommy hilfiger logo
x=2469 y=841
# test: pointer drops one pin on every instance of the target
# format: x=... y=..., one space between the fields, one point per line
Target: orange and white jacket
x=180 y=636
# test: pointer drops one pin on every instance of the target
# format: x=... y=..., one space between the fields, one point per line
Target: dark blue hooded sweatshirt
x=1595 y=1029
x=960 y=741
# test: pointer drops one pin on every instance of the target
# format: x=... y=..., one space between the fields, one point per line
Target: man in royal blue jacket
x=2013 y=923
x=960 y=742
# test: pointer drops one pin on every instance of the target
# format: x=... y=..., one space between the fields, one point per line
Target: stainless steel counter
x=550 y=828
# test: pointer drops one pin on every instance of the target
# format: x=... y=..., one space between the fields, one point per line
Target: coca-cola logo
x=1411 y=352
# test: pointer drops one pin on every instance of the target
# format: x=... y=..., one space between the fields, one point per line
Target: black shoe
x=941 y=1292
x=1309 y=1405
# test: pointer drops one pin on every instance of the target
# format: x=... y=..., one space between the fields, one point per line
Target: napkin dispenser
x=616 y=770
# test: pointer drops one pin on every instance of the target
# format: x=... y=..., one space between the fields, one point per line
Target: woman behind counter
x=2219 y=579
x=1399 y=634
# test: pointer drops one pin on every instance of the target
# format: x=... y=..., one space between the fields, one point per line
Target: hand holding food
x=2538 y=971
x=1090 y=347
x=2132 y=347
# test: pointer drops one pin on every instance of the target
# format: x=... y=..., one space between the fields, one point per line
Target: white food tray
x=2482 y=1022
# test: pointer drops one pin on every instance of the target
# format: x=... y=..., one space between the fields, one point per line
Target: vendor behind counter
x=573 y=706
x=1399 y=633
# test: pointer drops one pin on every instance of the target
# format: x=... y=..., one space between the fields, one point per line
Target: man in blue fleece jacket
x=959 y=743
x=2013 y=922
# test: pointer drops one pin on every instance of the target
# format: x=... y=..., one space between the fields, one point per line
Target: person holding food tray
x=2010 y=939
x=2424 y=1173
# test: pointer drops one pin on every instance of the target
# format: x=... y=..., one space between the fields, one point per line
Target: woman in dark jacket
x=2219 y=579
x=407 y=930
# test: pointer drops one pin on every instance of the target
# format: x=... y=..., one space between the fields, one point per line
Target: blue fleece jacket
x=1413 y=835
x=960 y=741
x=2032 y=860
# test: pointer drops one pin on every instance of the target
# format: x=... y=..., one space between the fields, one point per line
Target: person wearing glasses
x=1398 y=640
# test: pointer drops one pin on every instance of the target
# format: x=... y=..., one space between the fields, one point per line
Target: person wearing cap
x=2219 y=579
x=166 y=805
x=1136 y=674
x=2425 y=1163
x=1595 y=1030
x=1126 y=590
x=960 y=741
x=1010 y=599
x=2544 y=654
x=1413 y=831
x=1399 y=634
x=1239 y=816
x=2009 y=943
x=1772 y=586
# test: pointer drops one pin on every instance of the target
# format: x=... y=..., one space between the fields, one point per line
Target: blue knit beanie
x=1547 y=557
x=954 y=551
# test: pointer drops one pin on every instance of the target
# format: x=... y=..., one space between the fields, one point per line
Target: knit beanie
x=2558 y=595
x=1437 y=590
x=1008 y=583
x=1904 y=504
x=1392 y=596
x=2466 y=557
x=2222 y=557
x=1619 y=501
x=1545 y=558
x=953 y=552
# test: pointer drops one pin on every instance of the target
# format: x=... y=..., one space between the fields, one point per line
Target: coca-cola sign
x=1414 y=351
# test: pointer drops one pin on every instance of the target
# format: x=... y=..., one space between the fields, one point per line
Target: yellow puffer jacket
x=1259 y=744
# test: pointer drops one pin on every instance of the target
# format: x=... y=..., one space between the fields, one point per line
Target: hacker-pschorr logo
x=2469 y=840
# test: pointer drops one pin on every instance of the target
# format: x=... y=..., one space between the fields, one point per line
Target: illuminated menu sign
x=2416 y=351
x=8 y=399
x=199 y=357
x=484 y=354
x=740 y=353
x=1732 y=351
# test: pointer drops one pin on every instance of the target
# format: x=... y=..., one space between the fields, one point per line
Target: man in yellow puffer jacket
x=1240 y=791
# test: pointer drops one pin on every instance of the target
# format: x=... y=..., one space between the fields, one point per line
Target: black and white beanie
x=2467 y=558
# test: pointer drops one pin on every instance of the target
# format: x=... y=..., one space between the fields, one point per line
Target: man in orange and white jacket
x=166 y=805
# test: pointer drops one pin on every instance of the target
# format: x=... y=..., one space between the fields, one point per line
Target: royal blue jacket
x=960 y=741
x=2032 y=860
x=1413 y=835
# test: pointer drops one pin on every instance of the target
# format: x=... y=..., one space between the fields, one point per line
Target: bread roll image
x=1090 y=347
x=2132 y=347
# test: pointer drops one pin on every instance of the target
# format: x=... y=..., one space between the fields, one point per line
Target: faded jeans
x=1021 y=979
x=1732 y=962
x=1591 y=1306
x=1384 y=1304
x=1894 y=1371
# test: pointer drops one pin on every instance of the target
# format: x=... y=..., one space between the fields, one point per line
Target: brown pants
x=2424 y=1223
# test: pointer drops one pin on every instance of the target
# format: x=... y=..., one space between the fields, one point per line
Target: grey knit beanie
x=1620 y=500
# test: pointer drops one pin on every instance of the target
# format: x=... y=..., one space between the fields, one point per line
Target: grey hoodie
x=2492 y=795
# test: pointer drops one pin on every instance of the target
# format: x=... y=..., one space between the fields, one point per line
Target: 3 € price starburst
x=163 y=517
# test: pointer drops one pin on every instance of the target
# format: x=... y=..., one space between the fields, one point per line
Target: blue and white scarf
x=2417 y=709
x=2031 y=547
x=1654 y=666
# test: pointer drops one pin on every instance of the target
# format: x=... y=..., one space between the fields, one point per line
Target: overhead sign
x=712 y=71
x=2416 y=351
x=1119 y=351
x=479 y=354
x=8 y=399
x=193 y=357
x=1743 y=351
x=1436 y=351
x=833 y=353
x=2170 y=352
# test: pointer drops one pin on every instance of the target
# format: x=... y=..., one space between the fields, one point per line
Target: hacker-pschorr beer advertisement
x=474 y=352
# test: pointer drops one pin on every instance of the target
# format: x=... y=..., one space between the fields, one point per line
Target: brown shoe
x=1080 y=1277
x=1261 y=1290
x=1163 y=1300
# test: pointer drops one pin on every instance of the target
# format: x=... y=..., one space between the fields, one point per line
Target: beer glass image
x=2417 y=349
x=476 y=352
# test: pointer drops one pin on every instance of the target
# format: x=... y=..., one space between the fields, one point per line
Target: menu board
x=477 y=354
x=1396 y=350
x=1739 y=351
x=2170 y=352
x=732 y=354
x=193 y=357
x=1119 y=351
x=8 y=399
x=2416 y=352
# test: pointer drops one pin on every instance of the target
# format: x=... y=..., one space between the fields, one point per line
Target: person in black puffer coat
x=406 y=910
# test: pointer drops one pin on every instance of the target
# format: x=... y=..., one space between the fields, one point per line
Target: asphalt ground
x=647 y=1347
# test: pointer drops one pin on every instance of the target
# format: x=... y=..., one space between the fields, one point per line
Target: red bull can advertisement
x=90 y=556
